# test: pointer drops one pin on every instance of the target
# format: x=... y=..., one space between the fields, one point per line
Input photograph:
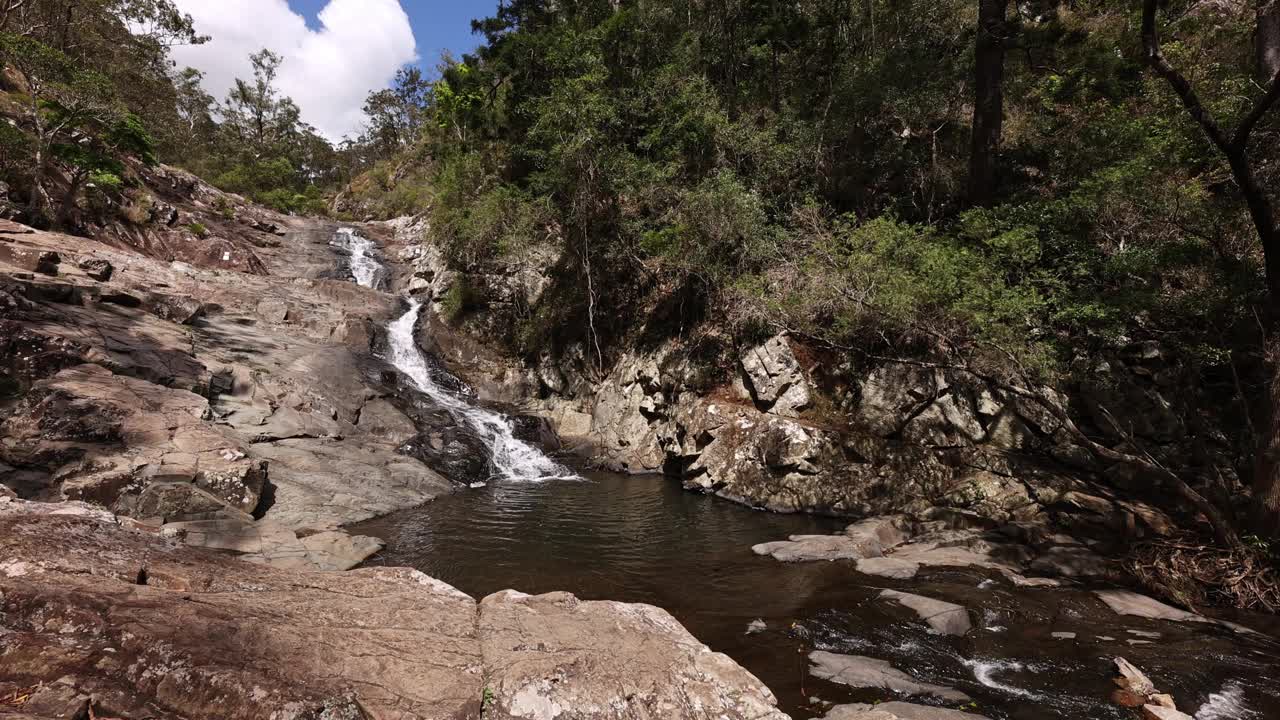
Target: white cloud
x=328 y=72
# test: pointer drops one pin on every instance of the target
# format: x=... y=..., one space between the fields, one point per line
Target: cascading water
x=511 y=458
x=365 y=267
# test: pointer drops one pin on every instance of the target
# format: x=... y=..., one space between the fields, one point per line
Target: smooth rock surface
x=943 y=617
x=864 y=672
x=897 y=711
x=554 y=657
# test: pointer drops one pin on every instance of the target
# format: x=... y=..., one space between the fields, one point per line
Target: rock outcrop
x=180 y=393
x=897 y=711
x=781 y=426
x=554 y=657
x=865 y=672
x=139 y=627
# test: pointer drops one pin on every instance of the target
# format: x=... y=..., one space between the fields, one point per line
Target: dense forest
x=1018 y=189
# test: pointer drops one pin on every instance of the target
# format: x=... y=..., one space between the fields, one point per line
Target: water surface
x=643 y=539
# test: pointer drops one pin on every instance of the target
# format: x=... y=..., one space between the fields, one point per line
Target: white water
x=365 y=267
x=513 y=459
x=984 y=671
x=1226 y=705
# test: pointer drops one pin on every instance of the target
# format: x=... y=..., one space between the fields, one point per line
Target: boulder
x=866 y=539
x=273 y=309
x=97 y=269
x=943 y=617
x=949 y=421
x=1133 y=680
x=865 y=672
x=774 y=378
x=555 y=656
x=138 y=434
x=181 y=309
x=892 y=394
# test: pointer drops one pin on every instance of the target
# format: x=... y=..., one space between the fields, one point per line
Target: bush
x=199 y=230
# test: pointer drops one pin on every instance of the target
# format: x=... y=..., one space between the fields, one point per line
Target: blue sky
x=437 y=24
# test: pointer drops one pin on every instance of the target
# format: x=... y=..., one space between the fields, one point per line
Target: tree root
x=1195 y=575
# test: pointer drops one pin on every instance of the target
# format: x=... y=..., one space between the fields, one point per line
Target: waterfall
x=365 y=267
x=512 y=458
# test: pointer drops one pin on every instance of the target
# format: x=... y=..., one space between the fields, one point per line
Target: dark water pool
x=643 y=539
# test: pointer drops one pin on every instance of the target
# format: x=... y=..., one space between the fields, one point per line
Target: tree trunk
x=1235 y=148
x=988 y=105
x=69 y=200
x=1265 y=520
x=1267 y=39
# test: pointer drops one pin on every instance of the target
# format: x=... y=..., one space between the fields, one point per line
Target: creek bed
x=643 y=539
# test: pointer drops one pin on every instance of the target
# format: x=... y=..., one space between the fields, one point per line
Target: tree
x=396 y=113
x=96 y=159
x=1267 y=39
x=1234 y=146
x=988 y=104
x=255 y=113
x=63 y=97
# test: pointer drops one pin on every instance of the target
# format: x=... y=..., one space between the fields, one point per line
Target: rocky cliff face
x=825 y=435
x=230 y=397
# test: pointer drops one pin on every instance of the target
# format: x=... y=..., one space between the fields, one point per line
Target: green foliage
x=801 y=166
x=457 y=300
x=199 y=230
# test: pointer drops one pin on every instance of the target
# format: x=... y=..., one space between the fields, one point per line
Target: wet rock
x=554 y=656
x=864 y=672
x=1125 y=602
x=866 y=539
x=1133 y=680
x=1159 y=712
x=943 y=617
x=536 y=431
x=897 y=711
x=775 y=379
x=97 y=269
x=453 y=451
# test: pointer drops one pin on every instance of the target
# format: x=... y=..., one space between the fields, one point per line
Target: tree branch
x=1260 y=108
x=1180 y=85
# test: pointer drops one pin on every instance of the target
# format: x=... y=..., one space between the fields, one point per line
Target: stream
x=538 y=527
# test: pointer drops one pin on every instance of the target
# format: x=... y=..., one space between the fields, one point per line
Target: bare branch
x=1260 y=108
